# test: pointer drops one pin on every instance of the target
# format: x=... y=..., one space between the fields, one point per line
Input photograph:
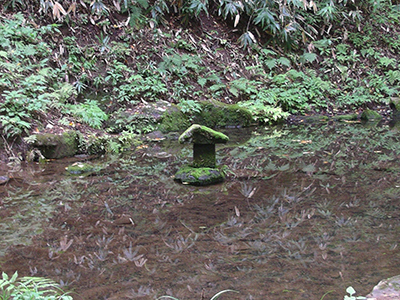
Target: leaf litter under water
x=297 y=226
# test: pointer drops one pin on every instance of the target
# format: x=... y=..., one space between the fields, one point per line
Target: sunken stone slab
x=387 y=289
x=203 y=170
x=54 y=146
x=199 y=176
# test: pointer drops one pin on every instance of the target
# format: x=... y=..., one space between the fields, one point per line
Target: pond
x=305 y=212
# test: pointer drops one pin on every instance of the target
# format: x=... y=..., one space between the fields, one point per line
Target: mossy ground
x=213 y=114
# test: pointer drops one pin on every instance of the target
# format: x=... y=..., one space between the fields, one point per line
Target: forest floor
x=208 y=36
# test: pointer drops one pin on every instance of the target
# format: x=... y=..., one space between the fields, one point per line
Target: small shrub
x=88 y=112
x=30 y=288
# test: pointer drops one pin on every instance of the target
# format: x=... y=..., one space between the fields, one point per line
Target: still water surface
x=304 y=212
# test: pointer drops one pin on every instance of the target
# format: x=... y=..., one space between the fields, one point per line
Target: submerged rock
x=346 y=117
x=370 y=115
x=313 y=119
x=80 y=168
x=199 y=176
x=155 y=136
x=387 y=289
x=4 y=179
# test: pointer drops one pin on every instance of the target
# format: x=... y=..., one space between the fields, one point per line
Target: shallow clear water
x=304 y=211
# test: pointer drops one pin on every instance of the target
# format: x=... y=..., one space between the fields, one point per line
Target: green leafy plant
x=351 y=291
x=180 y=65
x=197 y=6
x=288 y=22
x=14 y=125
x=247 y=39
x=30 y=288
x=136 y=11
x=88 y=112
x=298 y=92
x=189 y=106
x=263 y=112
x=125 y=123
x=28 y=85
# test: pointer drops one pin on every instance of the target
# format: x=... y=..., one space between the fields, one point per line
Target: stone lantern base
x=199 y=176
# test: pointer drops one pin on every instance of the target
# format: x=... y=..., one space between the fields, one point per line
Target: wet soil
x=303 y=212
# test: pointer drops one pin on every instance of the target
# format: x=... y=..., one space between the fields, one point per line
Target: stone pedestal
x=204 y=156
x=203 y=170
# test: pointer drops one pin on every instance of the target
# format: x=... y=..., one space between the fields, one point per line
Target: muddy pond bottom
x=304 y=213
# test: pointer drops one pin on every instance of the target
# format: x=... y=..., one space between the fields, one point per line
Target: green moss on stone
x=395 y=103
x=217 y=114
x=213 y=114
x=395 y=106
x=57 y=146
x=199 y=134
x=111 y=143
x=199 y=176
x=174 y=120
x=314 y=119
x=346 y=117
x=80 y=168
x=370 y=115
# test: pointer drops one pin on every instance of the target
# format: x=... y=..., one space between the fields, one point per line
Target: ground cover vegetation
x=67 y=63
x=34 y=288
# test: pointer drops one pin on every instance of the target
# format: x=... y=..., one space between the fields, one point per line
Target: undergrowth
x=45 y=72
x=36 y=288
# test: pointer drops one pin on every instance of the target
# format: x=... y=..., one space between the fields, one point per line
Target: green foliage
x=121 y=121
x=180 y=65
x=14 y=125
x=111 y=144
x=150 y=87
x=88 y=112
x=189 y=106
x=242 y=86
x=285 y=22
x=247 y=39
x=353 y=97
x=136 y=11
x=25 y=77
x=393 y=76
x=298 y=92
x=269 y=60
x=263 y=112
x=354 y=68
x=308 y=58
x=351 y=291
x=290 y=22
x=37 y=288
x=197 y=6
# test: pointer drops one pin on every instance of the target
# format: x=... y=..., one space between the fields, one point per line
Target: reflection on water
x=304 y=212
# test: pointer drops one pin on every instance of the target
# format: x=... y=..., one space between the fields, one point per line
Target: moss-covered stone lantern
x=203 y=170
